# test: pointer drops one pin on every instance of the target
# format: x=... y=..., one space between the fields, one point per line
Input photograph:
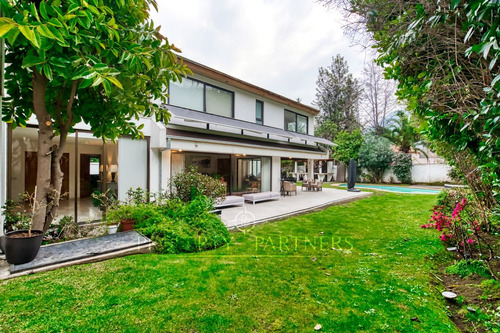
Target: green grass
x=375 y=280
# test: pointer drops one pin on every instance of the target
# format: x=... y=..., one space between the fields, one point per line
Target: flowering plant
x=457 y=226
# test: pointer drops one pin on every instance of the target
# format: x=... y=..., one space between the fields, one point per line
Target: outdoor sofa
x=230 y=200
x=261 y=196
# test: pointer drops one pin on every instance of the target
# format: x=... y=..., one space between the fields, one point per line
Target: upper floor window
x=295 y=122
x=200 y=96
x=259 y=112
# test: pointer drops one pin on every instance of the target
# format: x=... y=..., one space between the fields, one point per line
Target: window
x=295 y=122
x=259 y=112
x=200 y=96
x=301 y=124
x=188 y=94
x=218 y=101
x=290 y=121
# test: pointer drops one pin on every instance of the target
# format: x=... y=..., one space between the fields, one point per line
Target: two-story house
x=237 y=131
x=226 y=127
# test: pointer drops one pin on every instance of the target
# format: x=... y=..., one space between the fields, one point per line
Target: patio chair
x=289 y=187
x=317 y=185
x=306 y=184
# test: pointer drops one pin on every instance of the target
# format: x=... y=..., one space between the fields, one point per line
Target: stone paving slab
x=82 y=248
x=303 y=202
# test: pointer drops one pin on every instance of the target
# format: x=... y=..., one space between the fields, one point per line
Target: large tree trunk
x=49 y=176
x=45 y=135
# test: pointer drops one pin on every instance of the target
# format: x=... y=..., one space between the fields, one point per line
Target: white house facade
x=224 y=126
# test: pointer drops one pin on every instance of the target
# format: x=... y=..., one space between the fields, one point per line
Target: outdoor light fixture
x=113 y=169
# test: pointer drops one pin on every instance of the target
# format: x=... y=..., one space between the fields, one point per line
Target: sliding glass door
x=253 y=175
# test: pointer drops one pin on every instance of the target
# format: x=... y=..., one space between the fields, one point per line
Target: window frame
x=205 y=84
x=262 y=112
x=296 y=114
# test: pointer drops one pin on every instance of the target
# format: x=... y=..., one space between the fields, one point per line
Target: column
x=310 y=169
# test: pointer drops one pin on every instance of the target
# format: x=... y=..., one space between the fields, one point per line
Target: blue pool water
x=397 y=189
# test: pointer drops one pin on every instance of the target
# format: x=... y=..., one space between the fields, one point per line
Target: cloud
x=276 y=44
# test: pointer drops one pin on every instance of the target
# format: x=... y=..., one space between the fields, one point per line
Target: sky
x=278 y=45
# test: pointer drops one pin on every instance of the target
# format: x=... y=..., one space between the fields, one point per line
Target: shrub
x=402 y=167
x=180 y=227
x=118 y=213
x=464 y=268
x=15 y=216
x=375 y=155
x=190 y=184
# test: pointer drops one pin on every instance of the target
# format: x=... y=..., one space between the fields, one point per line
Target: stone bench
x=261 y=196
x=230 y=200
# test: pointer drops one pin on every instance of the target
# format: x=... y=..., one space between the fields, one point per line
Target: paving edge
x=276 y=218
x=143 y=249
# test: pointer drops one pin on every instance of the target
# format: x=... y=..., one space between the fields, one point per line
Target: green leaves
x=112 y=52
x=32 y=60
x=30 y=35
x=6 y=24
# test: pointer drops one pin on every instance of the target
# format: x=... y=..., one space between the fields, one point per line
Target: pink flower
x=470 y=241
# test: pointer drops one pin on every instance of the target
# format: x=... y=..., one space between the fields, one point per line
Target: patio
x=234 y=217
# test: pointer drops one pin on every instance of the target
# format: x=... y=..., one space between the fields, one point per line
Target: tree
x=402 y=167
x=376 y=156
x=403 y=133
x=377 y=97
x=337 y=97
x=327 y=129
x=347 y=146
x=101 y=62
x=444 y=57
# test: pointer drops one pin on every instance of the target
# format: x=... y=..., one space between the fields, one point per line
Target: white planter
x=112 y=229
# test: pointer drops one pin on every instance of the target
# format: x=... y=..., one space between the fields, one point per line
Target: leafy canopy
x=348 y=145
x=104 y=61
x=337 y=97
x=376 y=156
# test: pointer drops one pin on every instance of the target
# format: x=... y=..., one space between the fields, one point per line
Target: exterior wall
x=276 y=174
x=244 y=107
x=424 y=173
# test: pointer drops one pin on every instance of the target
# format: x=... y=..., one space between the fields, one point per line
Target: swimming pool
x=397 y=189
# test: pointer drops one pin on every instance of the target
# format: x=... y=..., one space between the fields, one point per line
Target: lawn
x=281 y=276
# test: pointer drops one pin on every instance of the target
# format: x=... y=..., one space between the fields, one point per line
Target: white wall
x=276 y=174
x=424 y=173
x=132 y=165
x=244 y=107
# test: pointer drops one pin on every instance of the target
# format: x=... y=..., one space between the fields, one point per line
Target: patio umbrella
x=351 y=180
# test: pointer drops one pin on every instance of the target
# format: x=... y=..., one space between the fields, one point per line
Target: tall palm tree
x=403 y=134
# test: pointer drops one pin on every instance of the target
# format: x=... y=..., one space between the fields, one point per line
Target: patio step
x=81 y=251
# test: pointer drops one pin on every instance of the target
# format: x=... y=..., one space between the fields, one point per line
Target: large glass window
x=295 y=122
x=199 y=96
x=188 y=94
x=301 y=124
x=290 y=121
x=259 y=112
x=88 y=165
x=219 y=102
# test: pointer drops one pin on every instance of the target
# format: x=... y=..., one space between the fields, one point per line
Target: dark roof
x=208 y=118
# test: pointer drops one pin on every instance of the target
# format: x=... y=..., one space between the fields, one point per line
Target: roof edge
x=214 y=74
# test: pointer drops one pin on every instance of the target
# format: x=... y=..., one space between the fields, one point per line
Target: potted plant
x=121 y=214
x=112 y=228
x=104 y=201
x=22 y=246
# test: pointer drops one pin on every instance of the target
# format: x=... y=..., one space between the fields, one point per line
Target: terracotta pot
x=23 y=249
x=127 y=224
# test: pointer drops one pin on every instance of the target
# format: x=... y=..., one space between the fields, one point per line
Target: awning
x=207 y=118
